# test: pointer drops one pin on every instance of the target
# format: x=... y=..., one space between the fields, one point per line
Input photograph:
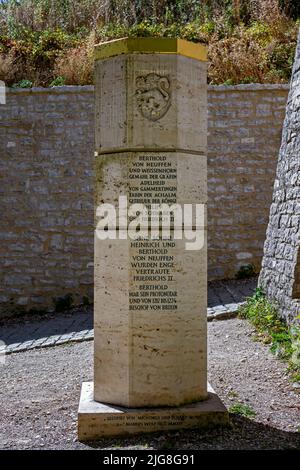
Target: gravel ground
x=40 y=393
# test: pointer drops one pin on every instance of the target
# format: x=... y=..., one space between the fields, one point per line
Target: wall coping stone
x=250 y=87
x=53 y=90
x=90 y=88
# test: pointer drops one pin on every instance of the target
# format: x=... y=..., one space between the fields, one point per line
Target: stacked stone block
x=279 y=276
x=46 y=158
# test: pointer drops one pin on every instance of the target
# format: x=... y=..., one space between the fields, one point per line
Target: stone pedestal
x=150 y=294
x=98 y=420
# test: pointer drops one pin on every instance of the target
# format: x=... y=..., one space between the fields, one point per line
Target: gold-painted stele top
x=150 y=46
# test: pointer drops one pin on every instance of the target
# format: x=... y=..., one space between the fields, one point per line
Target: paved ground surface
x=40 y=391
x=27 y=333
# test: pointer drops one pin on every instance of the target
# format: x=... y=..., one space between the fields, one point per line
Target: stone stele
x=150 y=356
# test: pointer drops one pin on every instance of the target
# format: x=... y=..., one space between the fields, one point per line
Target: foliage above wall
x=50 y=42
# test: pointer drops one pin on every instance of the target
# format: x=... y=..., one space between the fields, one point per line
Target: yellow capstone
x=150 y=46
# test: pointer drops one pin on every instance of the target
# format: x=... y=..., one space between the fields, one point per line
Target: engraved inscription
x=153 y=180
x=153 y=95
x=147 y=420
x=153 y=261
x=153 y=275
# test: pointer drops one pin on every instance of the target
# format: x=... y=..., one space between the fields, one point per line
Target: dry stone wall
x=280 y=274
x=46 y=158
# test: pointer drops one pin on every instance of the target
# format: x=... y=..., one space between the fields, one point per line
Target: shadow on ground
x=231 y=291
x=30 y=327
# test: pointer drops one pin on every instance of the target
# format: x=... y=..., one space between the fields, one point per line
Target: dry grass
x=7 y=67
x=76 y=65
x=262 y=52
x=248 y=41
x=235 y=61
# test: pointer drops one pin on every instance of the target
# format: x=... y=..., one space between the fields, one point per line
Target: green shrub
x=63 y=303
x=260 y=32
x=242 y=410
x=247 y=270
x=58 y=81
x=85 y=300
x=22 y=84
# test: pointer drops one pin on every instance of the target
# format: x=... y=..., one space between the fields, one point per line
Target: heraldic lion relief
x=153 y=95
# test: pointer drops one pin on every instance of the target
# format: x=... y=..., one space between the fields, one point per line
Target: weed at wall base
x=284 y=341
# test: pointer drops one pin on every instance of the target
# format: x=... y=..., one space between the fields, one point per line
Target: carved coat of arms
x=153 y=95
